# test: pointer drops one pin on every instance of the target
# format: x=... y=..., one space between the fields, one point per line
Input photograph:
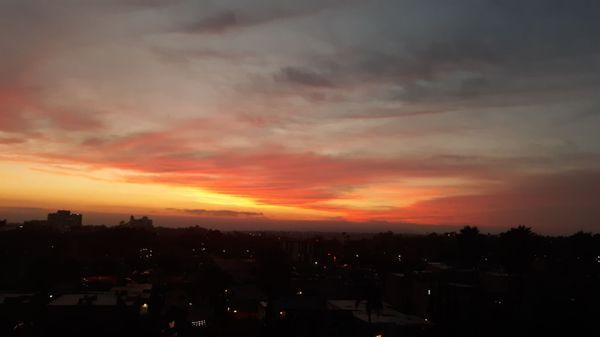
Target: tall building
x=64 y=219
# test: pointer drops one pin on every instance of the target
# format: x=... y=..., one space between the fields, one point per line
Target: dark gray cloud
x=301 y=76
x=238 y=15
x=217 y=23
x=463 y=50
x=186 y=55
x=217 y=213
x=298 y=99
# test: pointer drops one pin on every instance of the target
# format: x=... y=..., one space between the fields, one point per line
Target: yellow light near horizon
x=34 y=183
x=281 y=211
x=37 y=185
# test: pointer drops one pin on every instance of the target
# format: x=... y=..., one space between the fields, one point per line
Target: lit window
x=199 y=324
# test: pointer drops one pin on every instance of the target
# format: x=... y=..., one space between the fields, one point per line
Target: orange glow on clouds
x=161 y=109
x=34 y=185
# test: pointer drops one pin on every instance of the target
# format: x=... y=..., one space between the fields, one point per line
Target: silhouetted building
x=300 y=250
x=64 y=219
x=384 y=321
x=5 y=226
x=34 y=223
x=241 y=270
x=243 y=301
x=412 y=293
x=93 y=314
x=19 y=309
x=143 y=222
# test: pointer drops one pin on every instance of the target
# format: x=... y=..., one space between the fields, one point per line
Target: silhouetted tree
x=518 y=246
x=470 y=245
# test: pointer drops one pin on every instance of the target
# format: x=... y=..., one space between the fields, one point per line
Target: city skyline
x=366 y=115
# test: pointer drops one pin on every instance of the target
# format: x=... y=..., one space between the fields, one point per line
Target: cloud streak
x=217 y=213
x=388 y=110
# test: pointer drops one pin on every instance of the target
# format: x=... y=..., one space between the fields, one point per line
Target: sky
x=341 y=114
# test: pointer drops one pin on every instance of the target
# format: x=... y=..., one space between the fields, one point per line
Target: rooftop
x=98 y=299
x=386 y=315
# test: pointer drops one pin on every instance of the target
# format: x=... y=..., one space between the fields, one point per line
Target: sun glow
x=107 y=190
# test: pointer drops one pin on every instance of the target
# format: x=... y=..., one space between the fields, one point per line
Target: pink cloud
x=557 y=203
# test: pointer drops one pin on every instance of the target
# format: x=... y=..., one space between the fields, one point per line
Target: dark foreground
x=98 y=281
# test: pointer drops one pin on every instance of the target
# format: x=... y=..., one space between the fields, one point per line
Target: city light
x=144 y=309
x=199 y=324
x=164 y=151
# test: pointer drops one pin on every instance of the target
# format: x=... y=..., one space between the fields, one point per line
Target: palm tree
x=518 y=248
x=470 y=244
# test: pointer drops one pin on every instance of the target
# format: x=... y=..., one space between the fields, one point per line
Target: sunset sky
x=349 y=114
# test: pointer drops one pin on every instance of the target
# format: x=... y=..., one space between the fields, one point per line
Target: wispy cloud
x=356 y=108
x=217 y=213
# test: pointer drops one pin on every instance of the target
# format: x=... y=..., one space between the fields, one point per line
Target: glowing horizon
x=393 y=111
